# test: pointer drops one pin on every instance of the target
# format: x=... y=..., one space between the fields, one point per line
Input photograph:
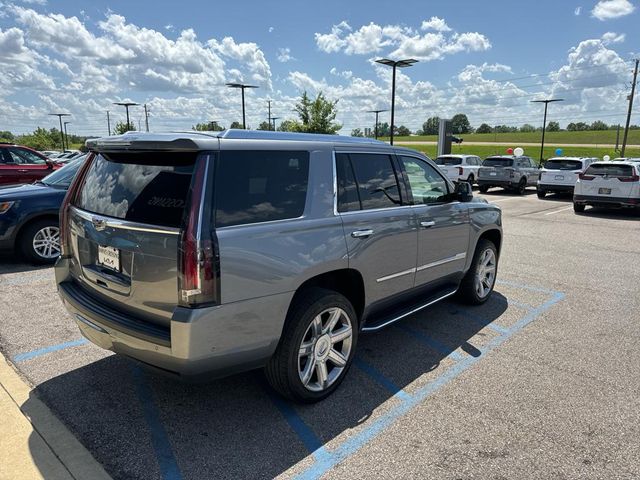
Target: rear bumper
x=597 y=201
x=496 y=183
x=549 y=187
x=199 y=344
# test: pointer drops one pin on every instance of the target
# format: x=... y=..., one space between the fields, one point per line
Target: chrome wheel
x=46 y=242
x=325 y=349
x=485 y=273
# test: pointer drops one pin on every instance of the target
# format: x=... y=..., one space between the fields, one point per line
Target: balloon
x=558 y=151
x=510 y=151
x=518 y=152
x=606 y=158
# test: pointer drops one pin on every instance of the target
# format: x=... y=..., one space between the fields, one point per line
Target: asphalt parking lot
x=540 y=382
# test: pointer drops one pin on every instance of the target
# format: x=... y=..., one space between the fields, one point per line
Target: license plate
x=559 y=177
x=493 y=174
x=604 y=191
x=109 y=257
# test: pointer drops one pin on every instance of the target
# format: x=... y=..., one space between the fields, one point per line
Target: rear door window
x=148 y=187
x=260 y=186
x=377 y=182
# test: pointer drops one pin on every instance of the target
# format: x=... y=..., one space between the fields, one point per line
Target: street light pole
x=108 y=124
x=60 y=115
x=242 y=87
x=376 y=127
x=66 y=135
x=544 y=121
x=394 y=64
x=126 y=105
x=274 y=122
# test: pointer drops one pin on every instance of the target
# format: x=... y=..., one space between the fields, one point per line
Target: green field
x=534 y=152
x=567 y=138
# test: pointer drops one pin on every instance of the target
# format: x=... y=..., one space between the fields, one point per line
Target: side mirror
x=49 y=163
x=464 y=192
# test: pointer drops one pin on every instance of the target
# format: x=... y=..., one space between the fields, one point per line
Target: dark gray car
x=207 y=254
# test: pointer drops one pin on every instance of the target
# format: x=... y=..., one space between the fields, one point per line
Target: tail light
x=198 y=277
x=584 y=176
x=460 y=171
x=69 y=198
x=512 y=171
x=632 y=178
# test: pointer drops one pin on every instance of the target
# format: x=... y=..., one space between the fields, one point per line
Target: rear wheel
x=541 y=193
x=316 y=348
x=478 y=283
x=40 y=241
x=522 y=186
x=470 y=179
x=578 y=207
x=483 y=188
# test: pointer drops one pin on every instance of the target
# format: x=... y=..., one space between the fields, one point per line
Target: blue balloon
x=558 y=151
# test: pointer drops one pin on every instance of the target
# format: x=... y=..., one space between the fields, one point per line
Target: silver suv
x=509 y=172
x=207 y=254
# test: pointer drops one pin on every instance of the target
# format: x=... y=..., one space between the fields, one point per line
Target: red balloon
x=510 y=151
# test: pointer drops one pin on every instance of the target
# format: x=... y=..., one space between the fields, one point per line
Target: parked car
x=608 y=184
x=208 y=254
x=19 y=164
x=460 y=168
x=29 y=215
x=559 y=174
x=509 y=172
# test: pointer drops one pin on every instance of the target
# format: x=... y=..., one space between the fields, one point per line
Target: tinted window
x=348 y=199
x=610 y=170
x=63 y=176
x=427 y=185
x=376 y=179
x=448 y=161
x=497 y=162
x=22 y=156
x=140 y=187
x=260 y=186
x=563 y=164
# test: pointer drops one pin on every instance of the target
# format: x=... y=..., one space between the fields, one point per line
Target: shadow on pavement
x=14 y=263
x=141 y=426
x=629 y=214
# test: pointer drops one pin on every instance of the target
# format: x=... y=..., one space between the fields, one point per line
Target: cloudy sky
x=485 y=59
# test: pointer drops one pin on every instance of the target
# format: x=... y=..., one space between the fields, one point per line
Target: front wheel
x=40 y=241
x=316 y=348
x=478 y=283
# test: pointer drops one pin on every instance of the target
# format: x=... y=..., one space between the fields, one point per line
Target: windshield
x=64 y=176
x=563 y=164
x=448 y=161
x=497 y=162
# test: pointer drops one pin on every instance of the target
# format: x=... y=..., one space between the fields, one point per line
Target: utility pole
x=633 y=92
x=108 y=124
x=269 y=117
x=146 y=116
x=60 y=115
x=618 y=138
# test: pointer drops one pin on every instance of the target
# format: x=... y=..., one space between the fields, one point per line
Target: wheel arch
x=31 y=220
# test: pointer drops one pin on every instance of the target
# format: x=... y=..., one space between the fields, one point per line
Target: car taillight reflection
x=69 y=198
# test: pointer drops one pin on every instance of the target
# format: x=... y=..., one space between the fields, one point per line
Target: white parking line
x=558 y=211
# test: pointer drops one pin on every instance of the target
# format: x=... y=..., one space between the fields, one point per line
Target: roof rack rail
x=237 y=134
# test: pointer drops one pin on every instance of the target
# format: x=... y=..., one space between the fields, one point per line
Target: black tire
x=467 y=292
x=578 y=207
x=470 y=179
x=483 y=188
x=282 y=369
x=522 y=186
x=26 y=239
x=541 y=193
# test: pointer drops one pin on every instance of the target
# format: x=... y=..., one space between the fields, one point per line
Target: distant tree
x=7 y=136
x=122 y=127
x=290 y=126
x=356 y=132
x=41 y=139
x=264 y=126
x=484 y=128
x=460 y=123
x=553 y=127
x=527 y=128
x=599 y=125
x=402 y=131
x=318 y=115
x=430 y=127
x=236 y=125
x=504 y=129
x=383 y=129
x=207 y=127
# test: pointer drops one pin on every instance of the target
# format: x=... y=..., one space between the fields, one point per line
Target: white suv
x=460 y=168
x=560 y=174
x=608 y=184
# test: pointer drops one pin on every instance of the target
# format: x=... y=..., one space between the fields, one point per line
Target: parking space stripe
x=159 y=439
x=53 y=348
x=367 y=434
x=558 y=211
x=381 y=379
x=430 y=342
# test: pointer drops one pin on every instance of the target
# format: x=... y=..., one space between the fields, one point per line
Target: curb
x=48 y=430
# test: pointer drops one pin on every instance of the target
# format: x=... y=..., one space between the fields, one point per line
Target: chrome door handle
x=362 y=233
x=428 y=224
x=23 y=171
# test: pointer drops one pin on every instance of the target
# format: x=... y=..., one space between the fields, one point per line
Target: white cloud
x=248 y=54
x=284 y=55
x=169 y=27
x=577 y=11
x=373 y=38
x=435 y=23
x=271 y=29
x=608 y=9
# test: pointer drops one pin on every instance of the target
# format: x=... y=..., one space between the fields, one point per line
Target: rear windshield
x=610 y=170
x=63 y=176
x=497 y=162
x=139 y=187
x=448 y=161
x=562 y=164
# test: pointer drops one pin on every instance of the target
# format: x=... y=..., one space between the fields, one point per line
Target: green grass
x=568 y=138
x=534 y=152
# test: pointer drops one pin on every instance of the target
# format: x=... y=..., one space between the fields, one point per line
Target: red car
x=20 y=164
